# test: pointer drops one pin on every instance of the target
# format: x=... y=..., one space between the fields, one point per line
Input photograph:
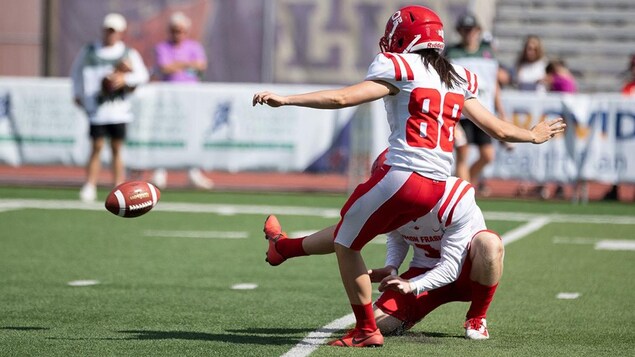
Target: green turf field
x=165 y=280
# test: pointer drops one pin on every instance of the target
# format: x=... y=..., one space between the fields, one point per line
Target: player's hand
x=547 y=129
x=377 y=275
x=271 y=99
x=395 y=283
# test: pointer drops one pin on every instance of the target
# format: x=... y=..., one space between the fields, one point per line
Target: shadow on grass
x=426 y=337
x=249 y=336
x=258 y=336
x=278 y=331
x=23 y=328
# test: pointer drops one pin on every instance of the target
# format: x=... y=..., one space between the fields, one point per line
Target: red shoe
x=358 y=338
x=274 y=234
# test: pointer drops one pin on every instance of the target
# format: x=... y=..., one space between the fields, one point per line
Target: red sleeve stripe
x=396 y=64
x=475 y=84
x=468 y=76
x=445 y=204
x=410 y=75
x=471 y=86
x=465 y=189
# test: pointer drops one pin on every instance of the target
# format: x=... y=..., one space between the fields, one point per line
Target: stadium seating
x=594 y=37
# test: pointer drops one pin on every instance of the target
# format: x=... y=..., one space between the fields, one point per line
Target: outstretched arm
x=504 y=131
x=363 y=92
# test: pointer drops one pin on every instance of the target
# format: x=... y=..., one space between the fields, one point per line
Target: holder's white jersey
x=441 y=238
x=422 y=116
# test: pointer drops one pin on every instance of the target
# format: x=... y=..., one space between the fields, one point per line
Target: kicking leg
x=282 y=247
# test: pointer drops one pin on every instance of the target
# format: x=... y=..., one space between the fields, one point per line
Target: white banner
x=600 y=135
x=529 y=162
x=42 y=124
x=215 y=127
x=212 y=126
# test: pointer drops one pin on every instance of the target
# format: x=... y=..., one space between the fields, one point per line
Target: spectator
x=530 y=66
x=104 y=74
x=181 y=60
x=477 y=56
x=559 y=78
x=530 y=76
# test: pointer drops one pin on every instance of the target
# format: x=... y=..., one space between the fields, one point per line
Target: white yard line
x=318 y=337
x=524 y=230
x=13 y=204
x=620 y=244
x=224 y=209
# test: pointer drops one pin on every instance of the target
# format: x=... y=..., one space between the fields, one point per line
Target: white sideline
x=319 y=337
x=229 y=209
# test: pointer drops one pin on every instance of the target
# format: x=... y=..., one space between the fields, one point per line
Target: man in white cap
x=104 y=74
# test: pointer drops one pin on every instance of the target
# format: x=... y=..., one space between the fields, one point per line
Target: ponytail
x=444 y=68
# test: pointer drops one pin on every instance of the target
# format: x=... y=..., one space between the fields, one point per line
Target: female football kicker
x=424 y=96
x=455 y=259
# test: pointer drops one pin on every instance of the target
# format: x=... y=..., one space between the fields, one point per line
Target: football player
x=456 y=258
x=424 y=96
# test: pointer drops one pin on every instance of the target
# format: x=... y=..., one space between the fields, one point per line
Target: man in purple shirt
x=180 y=60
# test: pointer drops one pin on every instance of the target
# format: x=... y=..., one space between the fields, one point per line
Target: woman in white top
x=531 y=64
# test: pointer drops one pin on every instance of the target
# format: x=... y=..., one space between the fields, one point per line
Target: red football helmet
x=412 y=28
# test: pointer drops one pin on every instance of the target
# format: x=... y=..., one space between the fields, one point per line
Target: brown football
x=132 y=199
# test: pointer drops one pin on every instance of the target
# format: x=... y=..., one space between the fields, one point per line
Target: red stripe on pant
x=416 y=197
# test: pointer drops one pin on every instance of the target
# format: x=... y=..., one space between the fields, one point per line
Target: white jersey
x=91 y=65
x=440 y=238
x=422 y=116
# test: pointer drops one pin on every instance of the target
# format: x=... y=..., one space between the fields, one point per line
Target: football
x=132 y=199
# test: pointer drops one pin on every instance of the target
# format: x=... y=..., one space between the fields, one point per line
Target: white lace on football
x=141 y=205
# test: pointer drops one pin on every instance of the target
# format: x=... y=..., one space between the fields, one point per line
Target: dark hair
x=443 y=67
x=540 y=51
x=553 y=64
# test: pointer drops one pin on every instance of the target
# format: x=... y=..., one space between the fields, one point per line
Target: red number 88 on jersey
x=428 y=127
